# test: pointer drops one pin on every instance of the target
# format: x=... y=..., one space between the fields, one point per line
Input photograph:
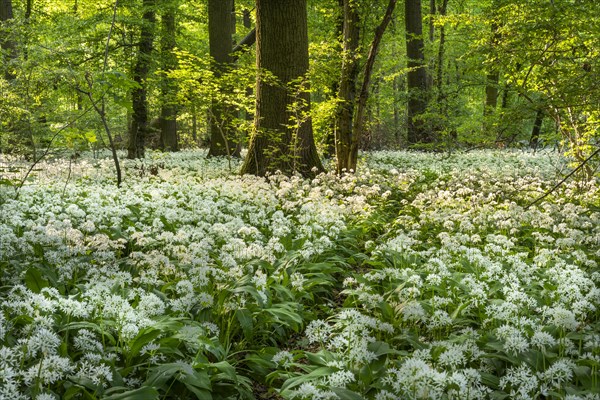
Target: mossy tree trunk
x=7 y=44
x=347 y=88
x=168 y=113
x=417 y=82
x=282 y=138
x=220 y=31
x=140 y=126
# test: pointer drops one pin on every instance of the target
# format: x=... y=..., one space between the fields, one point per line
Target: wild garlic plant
x=421 y=276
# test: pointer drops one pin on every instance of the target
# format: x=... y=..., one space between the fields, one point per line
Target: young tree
x=351 y=123
x=417 y=74
x=168 y=114
x=283 y=137
x=139 y=128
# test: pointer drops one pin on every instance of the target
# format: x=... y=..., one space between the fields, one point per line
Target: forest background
x=166 y=74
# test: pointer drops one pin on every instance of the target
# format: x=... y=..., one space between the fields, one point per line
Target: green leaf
x=297 y=381
x=244 y=317
x=226 y=370
x=34 y=280
x=345 y=394
x=490 y=380
x=143 y=338
x=143 y=393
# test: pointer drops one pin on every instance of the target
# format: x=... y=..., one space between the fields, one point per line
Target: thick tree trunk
x=417 y=74
x=283 y=137
x=347 y=88
x=139 y=129
x=222 y=133
x=7 y=44
x=168 y=112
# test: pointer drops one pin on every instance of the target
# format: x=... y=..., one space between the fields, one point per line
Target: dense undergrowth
x=422 y=276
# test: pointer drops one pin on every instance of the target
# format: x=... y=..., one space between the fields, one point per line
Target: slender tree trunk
x=360 y=119
x=222 y=133
x=168 y=113
x=491 y=93
x=347 y=86
x=350 y=130
x=335 y=84
x=7 y=43
x=396 y=89
x=537 y=129
x=505 y=96
x=283 y=137
x=432 y=12
x=440 y=57
x=139 y=124
x=194 y=125
x=492 y=79
x=417 y=74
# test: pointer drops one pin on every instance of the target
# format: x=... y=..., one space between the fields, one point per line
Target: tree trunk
x=350 y=130
x=283 y=137
x=396 y=88
x=139 y=124
x=491 y=93
x=440 y=57
x=347 y=87
x=168 y=112
x=7 y=43
x=537 y=128
x=432 y=12
x=417 y=74
x=492 y=79
x=360 y=119
x=222 y=133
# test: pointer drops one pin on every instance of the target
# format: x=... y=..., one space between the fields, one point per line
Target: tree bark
x=537 y=129
x=492 y=78
x=360 y=119
x=347 y=88
x=222 y=133
x=440 y=57
x=282 y=138
x=7 y=43
x=351 y=125
x=417 y=74
x=139 y=129
x=432 y=12
x=331 y=134
x=168 y=113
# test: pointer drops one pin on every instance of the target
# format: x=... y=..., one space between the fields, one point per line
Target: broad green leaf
x=34 y=280
x=143 y=393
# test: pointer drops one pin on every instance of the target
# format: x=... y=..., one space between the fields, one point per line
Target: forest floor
x=421 y=276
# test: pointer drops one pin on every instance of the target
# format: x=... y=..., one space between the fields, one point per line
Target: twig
x=101 y=110
x=583 y=163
